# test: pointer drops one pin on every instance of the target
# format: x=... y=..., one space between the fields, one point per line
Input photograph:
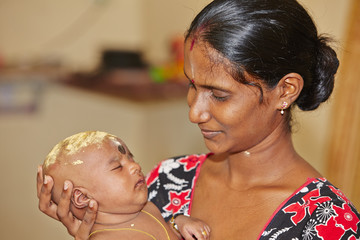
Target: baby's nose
x=135 y=168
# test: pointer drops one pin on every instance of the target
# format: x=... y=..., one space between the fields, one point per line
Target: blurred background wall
x=71 y=36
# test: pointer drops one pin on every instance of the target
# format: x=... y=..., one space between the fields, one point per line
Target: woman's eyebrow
x=207 y=86
x=212 y=87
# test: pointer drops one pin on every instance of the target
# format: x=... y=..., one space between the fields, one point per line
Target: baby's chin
x=120 y=210
x=136 y=204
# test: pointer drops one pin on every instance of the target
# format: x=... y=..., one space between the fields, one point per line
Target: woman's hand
x=192 y=227
x=88 y=221
x=79 y=229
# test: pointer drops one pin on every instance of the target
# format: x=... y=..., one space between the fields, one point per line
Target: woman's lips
x=209 y=133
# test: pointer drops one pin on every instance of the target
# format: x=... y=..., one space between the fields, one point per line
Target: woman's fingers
x=39 y=180
x=63 y=210
x=87 y=222
x=44 y=187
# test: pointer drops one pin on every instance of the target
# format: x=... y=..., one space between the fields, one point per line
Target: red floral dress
x=317 y=210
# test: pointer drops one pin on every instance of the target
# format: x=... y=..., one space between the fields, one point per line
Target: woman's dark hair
x=269 y=39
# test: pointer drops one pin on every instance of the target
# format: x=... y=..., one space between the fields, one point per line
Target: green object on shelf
x=157 y=74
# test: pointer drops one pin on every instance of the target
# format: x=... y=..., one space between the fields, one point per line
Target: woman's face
x=228 y=113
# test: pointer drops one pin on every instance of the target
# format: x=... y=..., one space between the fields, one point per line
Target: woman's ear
x=79 y=198
x=290 y=87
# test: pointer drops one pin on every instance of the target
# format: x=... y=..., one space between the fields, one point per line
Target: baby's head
x=101 y=167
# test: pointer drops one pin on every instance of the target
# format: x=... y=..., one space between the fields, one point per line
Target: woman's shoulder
x=317 y=208
x=319 y=192
x=324 y=188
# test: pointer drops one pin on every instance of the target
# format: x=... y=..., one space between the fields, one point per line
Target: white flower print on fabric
x=324 y=212
x=309 y=231
x=266 y=233
x=167 y=167
x=186 y=210
x=152 y=194
x=170 y=186
x=320 y=185
x=304 y=190
x=166 y=214
x=279 y=232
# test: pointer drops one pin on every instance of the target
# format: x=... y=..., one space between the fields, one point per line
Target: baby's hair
x=74 y=144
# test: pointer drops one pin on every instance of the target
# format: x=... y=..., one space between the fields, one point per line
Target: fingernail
x=91 y=204
x=66 y=186
x=45 y=179
x=39 y=169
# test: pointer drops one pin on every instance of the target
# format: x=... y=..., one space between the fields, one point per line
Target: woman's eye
x=219 y=95
x=118 y=167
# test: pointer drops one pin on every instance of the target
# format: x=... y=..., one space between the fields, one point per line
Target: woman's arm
x=79 y=229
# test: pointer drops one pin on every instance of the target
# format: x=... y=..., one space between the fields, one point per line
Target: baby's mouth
x=140 y=182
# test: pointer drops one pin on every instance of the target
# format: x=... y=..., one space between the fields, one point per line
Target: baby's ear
x=79 y=198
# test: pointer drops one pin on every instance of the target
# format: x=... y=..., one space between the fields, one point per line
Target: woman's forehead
x=201 y=68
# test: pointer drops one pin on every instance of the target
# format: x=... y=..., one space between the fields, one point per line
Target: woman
x=248 y=64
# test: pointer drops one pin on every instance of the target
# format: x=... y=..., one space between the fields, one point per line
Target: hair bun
x=325 y=67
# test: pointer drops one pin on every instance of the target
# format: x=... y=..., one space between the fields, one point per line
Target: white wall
x=165 y=19
x=73 y=32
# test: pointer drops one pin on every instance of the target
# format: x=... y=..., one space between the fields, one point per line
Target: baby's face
x=111 y=177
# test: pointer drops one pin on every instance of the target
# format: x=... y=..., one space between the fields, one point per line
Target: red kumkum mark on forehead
x=192 y=44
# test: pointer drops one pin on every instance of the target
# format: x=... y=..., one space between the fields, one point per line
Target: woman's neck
x=268 y=162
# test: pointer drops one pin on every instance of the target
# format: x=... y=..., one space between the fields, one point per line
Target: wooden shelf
x=132 y=84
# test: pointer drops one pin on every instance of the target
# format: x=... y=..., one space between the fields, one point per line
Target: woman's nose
x=198 y=112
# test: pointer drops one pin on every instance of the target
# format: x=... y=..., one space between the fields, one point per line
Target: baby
x=102 y=168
